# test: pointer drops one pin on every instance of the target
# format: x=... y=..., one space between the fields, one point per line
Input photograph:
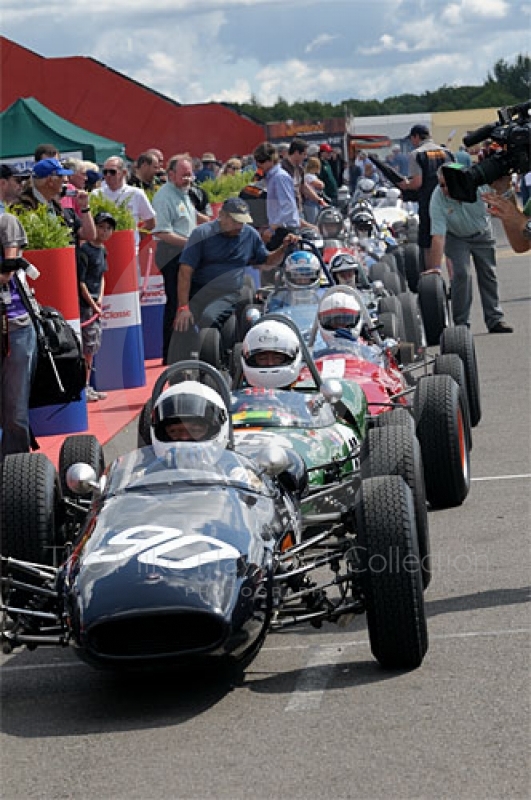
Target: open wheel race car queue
x=319 y=395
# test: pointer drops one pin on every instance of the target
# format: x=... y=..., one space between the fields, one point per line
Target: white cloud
x=320 y=41
x=230 y=49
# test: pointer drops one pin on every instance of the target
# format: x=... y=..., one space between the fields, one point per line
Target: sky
x=196 y=51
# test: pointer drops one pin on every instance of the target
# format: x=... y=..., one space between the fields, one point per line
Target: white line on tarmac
x=314 y=679
x=324 y=648
x=525 y=476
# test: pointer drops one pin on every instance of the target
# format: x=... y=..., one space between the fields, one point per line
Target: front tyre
x=390 y=573
x=30 y=508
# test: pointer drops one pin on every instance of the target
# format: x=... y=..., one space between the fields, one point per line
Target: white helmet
x=366 y=186
x=394 y=193
x=344 y=268
x=279 y=340
x=195 y=406
x=302 y=270
x=339 y=310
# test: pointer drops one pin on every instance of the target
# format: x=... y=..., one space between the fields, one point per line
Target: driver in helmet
x=271 y=355
x=189 y=425
x=345 y=269
x=330 y=223
x=342 y=328
x=302 y=275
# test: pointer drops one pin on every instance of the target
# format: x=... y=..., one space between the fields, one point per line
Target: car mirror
x=332 y=391
x=272 y=460
x=81 y=479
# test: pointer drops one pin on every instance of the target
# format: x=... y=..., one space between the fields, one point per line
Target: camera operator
x=462 y=231
x=516 y=223
x=18 y=342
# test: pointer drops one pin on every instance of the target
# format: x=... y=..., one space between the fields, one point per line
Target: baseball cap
x=419 y=130
x=104 y=216
x=312 y=150
x=238 y=209
x=10 y=171
x=325 y=148
x=50 y=166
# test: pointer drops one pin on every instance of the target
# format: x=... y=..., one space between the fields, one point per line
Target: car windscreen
x=143 y=470
x=279 y=408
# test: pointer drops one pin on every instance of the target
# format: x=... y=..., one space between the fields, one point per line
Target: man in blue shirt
x=462 y=231
x=282 y=211
x=213 y=265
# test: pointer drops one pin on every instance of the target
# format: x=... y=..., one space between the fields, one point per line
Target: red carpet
x=107 y=417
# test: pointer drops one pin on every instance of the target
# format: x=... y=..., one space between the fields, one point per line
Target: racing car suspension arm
x=35 y=570
x=320 y=561
x=31 y=589
x=313 y=617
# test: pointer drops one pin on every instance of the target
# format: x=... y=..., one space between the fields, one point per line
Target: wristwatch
x=527 y=230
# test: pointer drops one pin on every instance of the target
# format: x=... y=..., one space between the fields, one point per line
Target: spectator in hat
x=326 y=174
x=213 y=265
x=12 y=182
x=91 y=268
x=209 y=168
x=424 y=162
x=44 y=188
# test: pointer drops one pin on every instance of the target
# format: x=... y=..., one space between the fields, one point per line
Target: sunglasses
x=110 y=171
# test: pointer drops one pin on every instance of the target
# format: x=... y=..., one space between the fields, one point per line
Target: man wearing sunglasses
x=116 y=188
x=11 y=184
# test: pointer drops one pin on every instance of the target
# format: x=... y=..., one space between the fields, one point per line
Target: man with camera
x=18 y=342
x=45 y=188
x=462 y=232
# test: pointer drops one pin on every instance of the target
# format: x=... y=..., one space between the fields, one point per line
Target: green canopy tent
x=27 y=123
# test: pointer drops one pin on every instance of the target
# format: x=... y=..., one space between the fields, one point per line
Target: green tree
x=516 y=79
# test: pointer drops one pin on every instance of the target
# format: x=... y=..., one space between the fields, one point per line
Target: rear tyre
x=30 y=508
x=441 y=431
x=389 y=326
x=433 y=306
x=412 y=265
x=210 y=347
x=392 y=304
x=397 y=416
x=378 y=271
x=451 y=364
x=458 y=339
x=392 y=586
x=75 y=449
x=395 y=450
x=413 y=325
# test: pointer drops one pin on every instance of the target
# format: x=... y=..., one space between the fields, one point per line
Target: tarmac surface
x=315 y=716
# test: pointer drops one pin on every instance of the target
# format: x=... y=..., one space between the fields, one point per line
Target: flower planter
x=119 y=364
x=57 y=287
